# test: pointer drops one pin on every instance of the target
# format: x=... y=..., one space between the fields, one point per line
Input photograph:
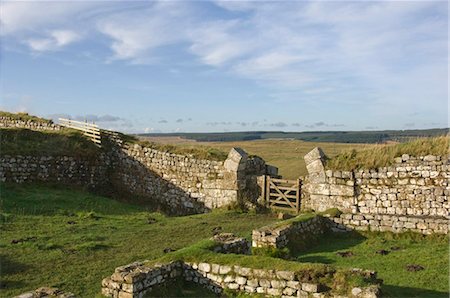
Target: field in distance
x=287 y=155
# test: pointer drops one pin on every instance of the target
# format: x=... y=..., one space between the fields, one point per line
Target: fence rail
x=282 y=194
x=89 y=130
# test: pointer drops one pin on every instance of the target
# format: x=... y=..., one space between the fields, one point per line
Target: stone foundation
x=135 y=280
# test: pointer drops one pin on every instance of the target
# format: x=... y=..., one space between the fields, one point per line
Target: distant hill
x=313 y=136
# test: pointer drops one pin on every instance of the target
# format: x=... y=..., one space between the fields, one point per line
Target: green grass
x=431 y=252
x=24 y=117
x=67 y=142
x=72 y=239
x=311 y=272
x=287 y=155
x=383 y=155
x=199 y=152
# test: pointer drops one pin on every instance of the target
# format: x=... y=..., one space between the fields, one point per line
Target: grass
x=71 y=239
x=24 y=117
x=383 y=155
x=287 y=155
x=431 y=252
x=67 y=142
x=308 y=272
x=199 y=152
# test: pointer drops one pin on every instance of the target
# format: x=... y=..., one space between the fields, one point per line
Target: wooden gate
x=282 y=194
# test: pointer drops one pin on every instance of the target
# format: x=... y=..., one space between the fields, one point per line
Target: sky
x=216 y=66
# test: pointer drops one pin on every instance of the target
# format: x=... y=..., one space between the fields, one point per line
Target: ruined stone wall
x=62 y=169
x=135 y=280
x=7 y=122
x=279 y=236
x=186 y=183
x=178 y=184
x=412 y=187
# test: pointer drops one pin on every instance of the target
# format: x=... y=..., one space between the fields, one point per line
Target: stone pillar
x=315 y=164
x=236 y=160
x=236 y=164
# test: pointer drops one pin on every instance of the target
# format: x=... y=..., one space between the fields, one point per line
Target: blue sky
x=228 y=65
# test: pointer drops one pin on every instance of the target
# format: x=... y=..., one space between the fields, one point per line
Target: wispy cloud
x=55 y=40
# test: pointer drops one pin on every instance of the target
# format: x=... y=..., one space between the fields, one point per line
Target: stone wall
x=390 y=223
x=279 y=236
x=7 y=122
x=137 y=279
x=64 y=169
x=415 y=187
x=185 y=183
x=177 y=184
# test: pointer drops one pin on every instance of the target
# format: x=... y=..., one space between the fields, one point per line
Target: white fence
x=90 y=130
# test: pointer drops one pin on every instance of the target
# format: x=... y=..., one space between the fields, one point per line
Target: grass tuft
x=383 y=155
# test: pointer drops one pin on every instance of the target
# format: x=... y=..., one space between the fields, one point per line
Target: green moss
x=383 y=155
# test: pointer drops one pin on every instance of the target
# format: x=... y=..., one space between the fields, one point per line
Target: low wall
x=415 y=187
x=7 y=122
x=390 y=223
x=279 y=236
x=64 y=169
x=135 y=280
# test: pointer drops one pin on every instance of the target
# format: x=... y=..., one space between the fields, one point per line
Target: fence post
x=298 y=195
x=263 y=190
x=268 y=191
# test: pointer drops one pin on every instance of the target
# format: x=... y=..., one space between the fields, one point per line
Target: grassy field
x=287 y=155
x=72 y=239
x=431 y=252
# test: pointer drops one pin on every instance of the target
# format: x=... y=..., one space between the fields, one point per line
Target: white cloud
x=368 y=53
x=18 y=16
x=137 y=33
x=56 y=39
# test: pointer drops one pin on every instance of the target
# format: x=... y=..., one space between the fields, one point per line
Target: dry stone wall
x=177 y=184
x=63 y=169
x=8 y=122
x=279 y=236
x=137 y=279
x=413 y=187
x=187 y=184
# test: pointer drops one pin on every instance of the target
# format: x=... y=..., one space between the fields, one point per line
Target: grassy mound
x=71 y=239
x=24 y=117
x=383 y=155
x=68 y=142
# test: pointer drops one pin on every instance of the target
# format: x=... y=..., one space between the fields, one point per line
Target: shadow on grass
x=409 y=292
x=329 y=242
x=315 y=259
x=8 y=267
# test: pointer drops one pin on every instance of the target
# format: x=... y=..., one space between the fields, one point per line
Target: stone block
x=315 y=167
x=236 y=160
x=342 y=190
x=313 y=155
x=311 y=288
